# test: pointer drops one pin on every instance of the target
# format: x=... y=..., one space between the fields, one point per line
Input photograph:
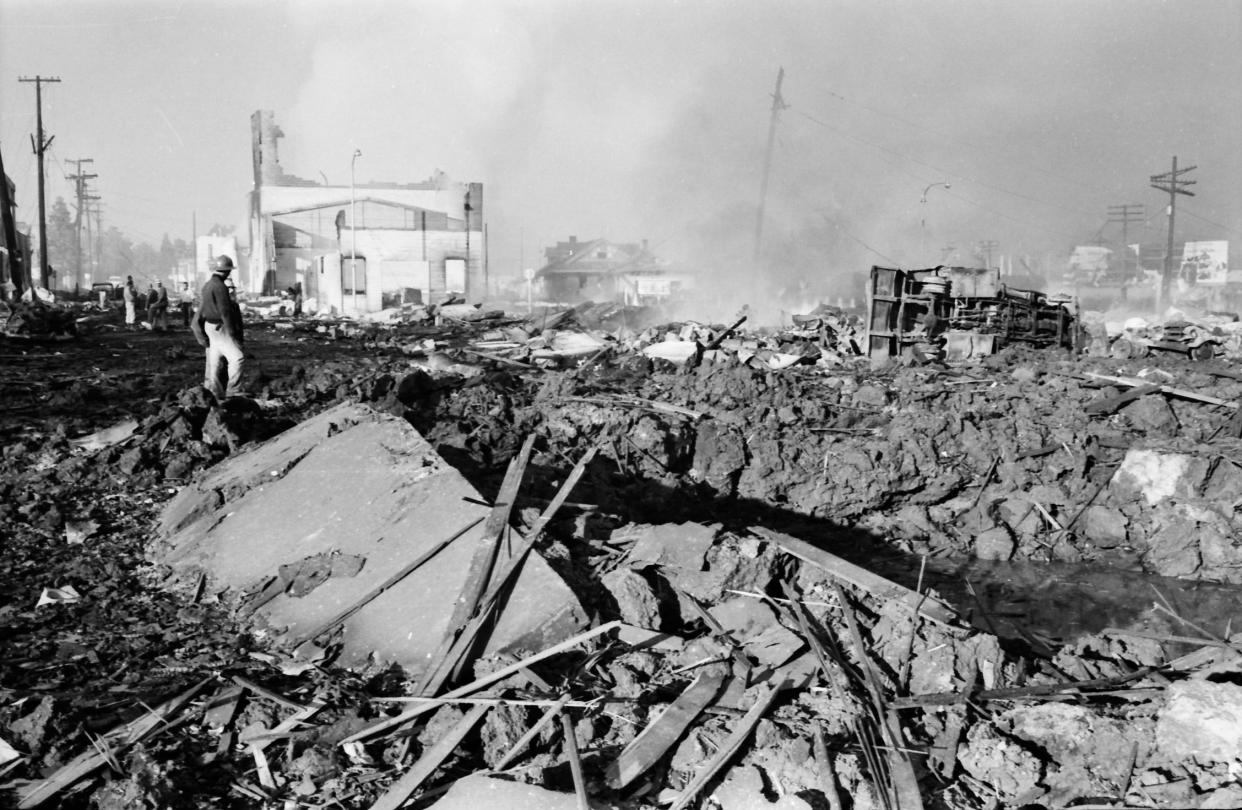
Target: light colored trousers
x=221 y=346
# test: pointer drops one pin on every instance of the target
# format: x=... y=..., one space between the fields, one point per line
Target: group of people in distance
x=157 y=303
x=216 y=322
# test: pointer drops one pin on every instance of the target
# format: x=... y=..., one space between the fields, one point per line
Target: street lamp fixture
x=353 y=233
x=923 y=217
x=929 y=187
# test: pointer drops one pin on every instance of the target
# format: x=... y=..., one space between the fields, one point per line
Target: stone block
x=994 y=544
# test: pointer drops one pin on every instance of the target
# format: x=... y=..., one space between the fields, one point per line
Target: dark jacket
x=217 y=307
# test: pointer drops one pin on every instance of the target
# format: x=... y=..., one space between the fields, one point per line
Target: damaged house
x=600 y=270
x=411 y=242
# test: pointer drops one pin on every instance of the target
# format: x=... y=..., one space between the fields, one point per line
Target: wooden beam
x=479 y=683
x=455 y=658
x=431 y=759
x=664 y=732
x=845 y=571
x=481 y=565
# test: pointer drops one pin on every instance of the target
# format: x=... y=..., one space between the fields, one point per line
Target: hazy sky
x=634 y=119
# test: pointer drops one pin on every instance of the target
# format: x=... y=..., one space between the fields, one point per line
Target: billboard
x=1205 y=263
x=653 y=285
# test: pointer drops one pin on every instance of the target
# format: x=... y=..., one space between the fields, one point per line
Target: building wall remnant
x=414 y=241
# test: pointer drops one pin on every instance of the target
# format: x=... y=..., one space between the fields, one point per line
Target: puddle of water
x=1064 y=601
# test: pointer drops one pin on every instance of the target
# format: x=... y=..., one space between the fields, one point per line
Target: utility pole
x=1125 y=214
x=1170 y=184
x=778 y=104
x=39 y=148
x=98 y=238
x=79 y=182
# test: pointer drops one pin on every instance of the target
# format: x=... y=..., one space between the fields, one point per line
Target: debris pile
x=713 y=581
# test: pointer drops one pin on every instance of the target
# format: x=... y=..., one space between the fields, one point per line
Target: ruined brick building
x=414 y=241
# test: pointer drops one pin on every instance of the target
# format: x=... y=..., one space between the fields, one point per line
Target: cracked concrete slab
x=354 y=483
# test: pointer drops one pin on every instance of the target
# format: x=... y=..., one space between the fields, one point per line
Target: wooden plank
x=715 y=343
x=1019 y=692
x=663 y=733
x=110 y=744
x=570 y=745
x=856 y=575
x=454 y=659
x=1181 y=393
x=533 y=732
x=431 y=759
x=267 y=693
x=1107 y=405
x=479 y=683
x=824 y=763
x=900 y=769
x=481 y=565
x=485 y=551
x=729 y=747
x=284 y=727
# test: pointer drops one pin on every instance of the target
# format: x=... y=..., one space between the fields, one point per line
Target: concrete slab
x=353 y=483
x=477 y=792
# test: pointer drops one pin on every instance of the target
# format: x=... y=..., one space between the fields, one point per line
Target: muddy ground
x=923 y=474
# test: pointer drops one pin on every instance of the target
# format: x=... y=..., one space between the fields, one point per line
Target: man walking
x=221 y=325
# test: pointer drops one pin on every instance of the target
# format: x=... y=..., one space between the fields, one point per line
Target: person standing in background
x=185 y=303
x=159 y=310
x=131 y=302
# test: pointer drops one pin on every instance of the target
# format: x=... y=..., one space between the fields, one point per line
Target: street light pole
x=353 y=233
x=923 y=218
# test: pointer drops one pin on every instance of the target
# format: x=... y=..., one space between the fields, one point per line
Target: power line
x=1229 y=228
x=834 y=223
x=942 y=170
x=922 y=125
x=1170 y=183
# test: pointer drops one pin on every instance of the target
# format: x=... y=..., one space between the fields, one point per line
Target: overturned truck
x=958 y=312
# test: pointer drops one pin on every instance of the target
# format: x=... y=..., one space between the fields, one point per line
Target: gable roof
x=581 y=258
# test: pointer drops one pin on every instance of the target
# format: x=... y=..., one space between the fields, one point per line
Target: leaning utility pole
x=778 y=104
x=39 y=148
x=1125 y=214
x=1171 y=185
x=79 y=185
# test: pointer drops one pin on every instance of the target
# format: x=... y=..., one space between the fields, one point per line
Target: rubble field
x=693 y=565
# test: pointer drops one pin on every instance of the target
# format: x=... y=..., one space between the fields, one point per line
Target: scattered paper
x=106 y=437
x=79 y=531
x=52 y=596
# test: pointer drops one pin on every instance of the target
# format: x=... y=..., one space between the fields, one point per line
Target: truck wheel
x=1124 y=349
x=1204 y=351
